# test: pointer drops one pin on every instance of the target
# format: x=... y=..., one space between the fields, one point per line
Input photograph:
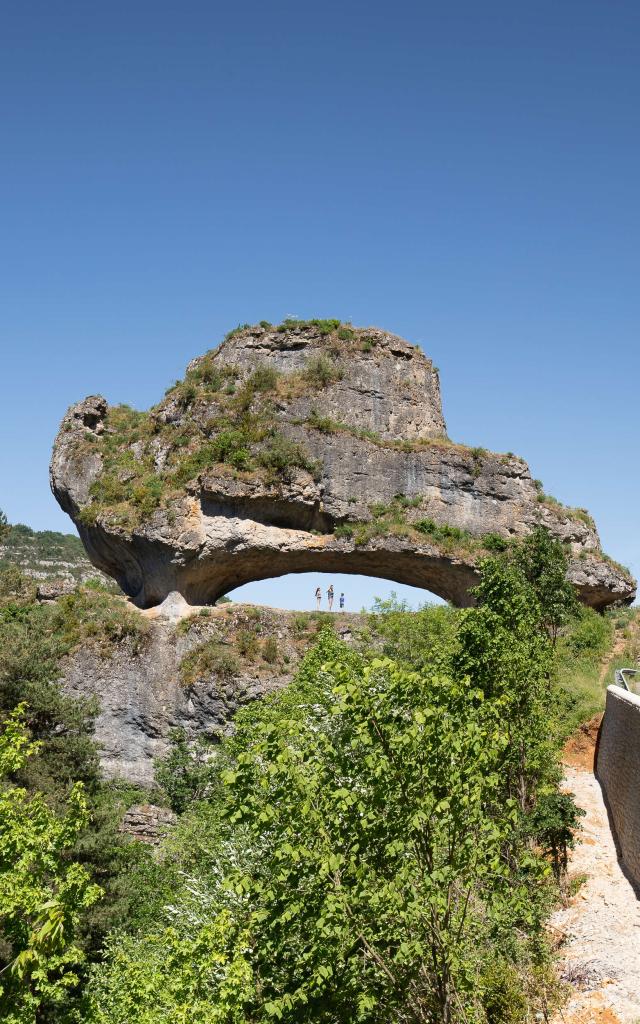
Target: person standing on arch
x=318 y=598
x=330 y=596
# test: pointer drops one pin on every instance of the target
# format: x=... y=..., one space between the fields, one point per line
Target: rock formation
x=306 y=447
x=191 y=674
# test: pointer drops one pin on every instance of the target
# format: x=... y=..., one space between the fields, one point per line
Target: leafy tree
x=42 y=893
x=543 y=561
x=31 y=646
x=504 y=652
x=4 y=527
x=376 y=850
x=187 y=773
x=379 y=841
x=554 y=822
x=172 y=976
x=33 y=640
x=419 y=639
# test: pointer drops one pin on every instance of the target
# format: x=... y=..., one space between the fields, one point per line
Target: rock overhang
x=310 y=446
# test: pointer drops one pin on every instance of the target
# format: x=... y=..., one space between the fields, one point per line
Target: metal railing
x=620 y=677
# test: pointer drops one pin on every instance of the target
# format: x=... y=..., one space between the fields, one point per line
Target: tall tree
x=42 y=892
x=4 y=527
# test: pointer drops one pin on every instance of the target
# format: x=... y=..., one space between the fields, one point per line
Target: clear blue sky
x=463 y=174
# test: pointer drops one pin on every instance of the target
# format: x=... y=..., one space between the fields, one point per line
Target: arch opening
x=297 y=592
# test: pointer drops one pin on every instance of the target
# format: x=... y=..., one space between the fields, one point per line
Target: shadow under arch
x=442 y=576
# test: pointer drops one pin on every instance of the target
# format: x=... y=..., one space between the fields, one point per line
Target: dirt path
x=600 y=953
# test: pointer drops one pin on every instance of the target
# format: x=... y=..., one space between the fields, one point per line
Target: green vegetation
x=188 y=771
x=241 y=436
x=263 y=378
x=320 y=371
x=382 y=840
x=247 y=644
x=325 y=327
x=580 y=654
x=50 y=554
x=42 y=893
x=60 y=844
x=391 y=519
x=270 y=651
x=92 y=615
x=236 y=330
x=280 y=455
x=219 y=416
x=212 y=657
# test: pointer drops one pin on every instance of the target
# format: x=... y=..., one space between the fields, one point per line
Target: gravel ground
x=600 y=952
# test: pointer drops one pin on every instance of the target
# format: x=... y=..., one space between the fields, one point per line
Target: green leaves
x=42 y=894
x=374 y=843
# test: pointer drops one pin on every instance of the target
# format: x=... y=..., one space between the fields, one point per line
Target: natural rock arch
x=308 y=447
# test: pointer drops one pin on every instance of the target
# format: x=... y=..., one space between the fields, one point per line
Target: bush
x=210 y=658
x=440 y=531
x=280 y=455
x=494 y=542
x=185 y=394
x=247 y=644
x=263 y=378
x=325 y=327
x=344 y=530
x=236 y=330
x=270 y=650
x=346 y=334
x=324 y=424
x=321 y=371
x=92 y=615
x=233 y=447
x=300 y=623
x=16 y=587
x=590 y=635
x=187 y=772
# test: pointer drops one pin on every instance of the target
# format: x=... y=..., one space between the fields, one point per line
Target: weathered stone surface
x=147 y=823
x=227 y=525
x=51 y=590
x=142 y=696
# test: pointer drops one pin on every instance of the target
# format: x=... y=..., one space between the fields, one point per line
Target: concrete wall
x=618 y=771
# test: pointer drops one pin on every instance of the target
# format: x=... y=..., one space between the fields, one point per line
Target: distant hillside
x=47 y=555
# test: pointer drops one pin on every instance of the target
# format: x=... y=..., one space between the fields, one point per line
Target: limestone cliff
x=192 y=674
x=308 y=446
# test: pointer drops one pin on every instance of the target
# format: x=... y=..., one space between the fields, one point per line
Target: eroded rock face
x=143 y=695
x=302 y=448
x=147 y=823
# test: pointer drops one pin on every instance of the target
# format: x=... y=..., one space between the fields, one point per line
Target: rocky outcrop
x=307 y=447
x=144 y=691
x=147 y=823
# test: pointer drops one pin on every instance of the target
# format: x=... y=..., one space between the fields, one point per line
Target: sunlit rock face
x=308 y=447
